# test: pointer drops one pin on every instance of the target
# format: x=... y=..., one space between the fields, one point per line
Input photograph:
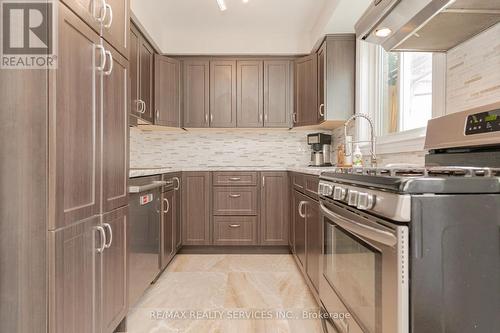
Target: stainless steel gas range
x=418 y=249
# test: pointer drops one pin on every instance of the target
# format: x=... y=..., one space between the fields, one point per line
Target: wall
x=199 y=148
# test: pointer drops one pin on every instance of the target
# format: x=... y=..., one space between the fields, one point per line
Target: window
x=406 y=92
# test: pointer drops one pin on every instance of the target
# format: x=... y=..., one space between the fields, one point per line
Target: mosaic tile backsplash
x=212 y=148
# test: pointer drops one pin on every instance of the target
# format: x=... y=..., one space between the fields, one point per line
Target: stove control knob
x=339 y=193
x=328 y=190
x=365 y=201
x=352 y=198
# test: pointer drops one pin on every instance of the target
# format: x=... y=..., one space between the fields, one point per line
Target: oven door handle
x=360 y=229
x=144 y=188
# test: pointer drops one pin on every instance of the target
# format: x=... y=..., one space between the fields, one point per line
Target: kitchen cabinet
x=141 y=76
x=274 y=220
x=74 y=120
x=167 y=91
x=114 y=132
x=314 y=242
x=196 y=188
x=235 y=178
x=116 y=27
x=235 y=230
x=235 y=201
x=299 y=222
x=175 y=178
x=306 y=90
x=114 y=284
x=74 y=270
x=336 y=78
x=168 y=214
x=90 y=11
x=278 y=93
x=222 y=93
x=250 y=90
x=196 y=78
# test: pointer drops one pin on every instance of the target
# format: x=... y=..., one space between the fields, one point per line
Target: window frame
x=369 y=71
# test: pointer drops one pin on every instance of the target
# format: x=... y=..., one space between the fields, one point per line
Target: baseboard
x=194 y=249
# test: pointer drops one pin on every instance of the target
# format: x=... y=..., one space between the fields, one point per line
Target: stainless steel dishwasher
x=144 y=234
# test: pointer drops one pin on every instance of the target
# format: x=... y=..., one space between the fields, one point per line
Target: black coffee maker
x=320 y=145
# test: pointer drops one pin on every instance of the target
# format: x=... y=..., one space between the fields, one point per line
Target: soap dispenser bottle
x=357 y=157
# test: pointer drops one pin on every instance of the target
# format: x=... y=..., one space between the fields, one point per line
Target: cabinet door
x=114 y=133
x=116 y=25
x=88 y=10
x=178 y=208
x=167 y=228
x=306 y=96
x=167 y=91
x=223 y=93
x=74 y=120
x=277 y=93
x=299 y=222
x=73 y=277
x=250 y=94
x=274 y=208
x=321 y=82
x=196 y=93
x=314 y=242
x=114 y=270
x=134 y=71
x=146 y=61
x=196 y=208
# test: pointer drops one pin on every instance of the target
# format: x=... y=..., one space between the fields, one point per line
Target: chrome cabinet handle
x=294 y=117
x=102 y=12
x=302 y=204
x=206 y=118
x=157 y=114
x=322 y=110
x=110 y=230
x=140 y=107
x=178 y=181
x=265 y=117
x=110 y=21
x=260 y=118
x=235 y=225
x=234 y=179
x=143 y=107
x=103 y=239
x=234 y=195
x=211 y=117
x=110 y=70
x=102 y=52
x=168 y=206
x=263 y=181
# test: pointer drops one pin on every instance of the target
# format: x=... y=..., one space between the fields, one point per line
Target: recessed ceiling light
x=383 y=32
x=222 y=5
x=245 y=1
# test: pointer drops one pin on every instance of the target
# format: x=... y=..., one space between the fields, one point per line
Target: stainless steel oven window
x=354 y=270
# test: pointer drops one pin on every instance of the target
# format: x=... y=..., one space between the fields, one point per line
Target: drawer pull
x=235 y=195
x=235 y=225
x=234 y=179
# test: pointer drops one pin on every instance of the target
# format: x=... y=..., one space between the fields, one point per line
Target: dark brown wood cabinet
x=274 y=208
x=222 y=93
x=74 y=277
x=177 y=181
x=235 y=201
x=90 y=11
x=250 y=90
x=74 y=120
x=299 y=222
x=278 y=93
x=235 y=230
x=114 y=289
x=116 y=26
x=196 y=188
x=141 y=76
x=314 y=241
x=167 y=230
x=321 y=82
x=167 y=91
x=196 y=81
x=114 y=132
x=306 y=90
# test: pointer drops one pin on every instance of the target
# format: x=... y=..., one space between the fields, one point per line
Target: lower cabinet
x=313 y=242
x=114 y=277
x=196 y=208
x=235 y=230
x=299 y=222
x=168 y=217
x=74 y=268
x=274 y=218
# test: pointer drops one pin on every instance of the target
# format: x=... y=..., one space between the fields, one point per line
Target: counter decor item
x=357 y=157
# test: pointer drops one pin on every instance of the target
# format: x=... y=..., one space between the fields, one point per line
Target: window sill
x=403 y=142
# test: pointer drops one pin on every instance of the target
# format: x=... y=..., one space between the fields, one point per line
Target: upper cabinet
x=141 y=77
x=336 y=78
x=196 y=77
x=115 y=27
x=167 y=91
x=278 y=93
x=223 y=93
x=306 y=91
x=250 y=106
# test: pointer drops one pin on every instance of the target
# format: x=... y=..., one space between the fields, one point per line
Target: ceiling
x=256 y=27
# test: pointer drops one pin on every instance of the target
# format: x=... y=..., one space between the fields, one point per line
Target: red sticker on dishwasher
x=145 y=199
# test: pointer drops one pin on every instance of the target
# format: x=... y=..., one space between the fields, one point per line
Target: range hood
x=426 y=25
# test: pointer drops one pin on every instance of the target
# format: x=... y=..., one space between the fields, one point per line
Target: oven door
x=364 y=271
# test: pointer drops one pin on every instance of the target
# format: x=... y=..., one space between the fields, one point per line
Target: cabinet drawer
x=298 y=180
x=235 y=230
x=235 y=201
x=311 y=183
x=231 y=178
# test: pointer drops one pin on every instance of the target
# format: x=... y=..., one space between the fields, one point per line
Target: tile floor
x=227 y=293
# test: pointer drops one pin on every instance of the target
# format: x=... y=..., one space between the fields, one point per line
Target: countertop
x=140 y=172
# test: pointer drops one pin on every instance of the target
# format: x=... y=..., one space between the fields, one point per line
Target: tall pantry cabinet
x=88 y=170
